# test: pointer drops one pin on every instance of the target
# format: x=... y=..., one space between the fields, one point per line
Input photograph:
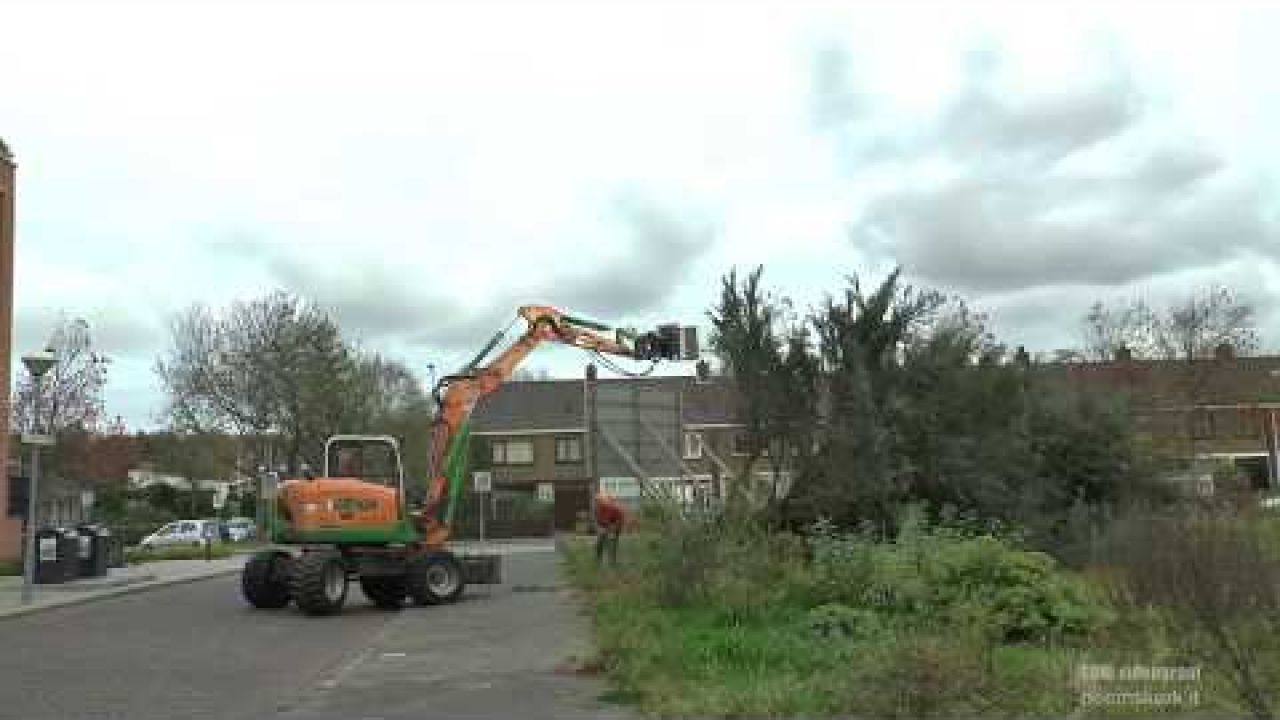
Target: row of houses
x=547 y=438
x=537 y=436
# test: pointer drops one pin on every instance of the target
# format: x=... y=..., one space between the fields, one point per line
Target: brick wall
x=10 y=528
x=1213 y=406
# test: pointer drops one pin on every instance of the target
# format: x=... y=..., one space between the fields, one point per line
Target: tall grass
x=712 y=616
x=1208 y=579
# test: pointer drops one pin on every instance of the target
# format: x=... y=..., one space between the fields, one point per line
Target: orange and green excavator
x=358 y=522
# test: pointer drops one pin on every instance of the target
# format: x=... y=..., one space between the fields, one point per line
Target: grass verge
x=771 y=643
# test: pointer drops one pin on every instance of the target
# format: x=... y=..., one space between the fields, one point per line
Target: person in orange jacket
x=610 y=517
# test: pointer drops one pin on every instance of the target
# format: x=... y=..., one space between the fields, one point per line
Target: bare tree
x=1194 y=328
x=71 y=392
x=274 y=366
x=1108 y=330
x=277 y=370
x=1190 y=329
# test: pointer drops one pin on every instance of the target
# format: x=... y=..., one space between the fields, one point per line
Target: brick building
x=10 y=525
x=1224 y=408
x=536 y=436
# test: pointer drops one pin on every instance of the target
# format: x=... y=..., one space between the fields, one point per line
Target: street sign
x=220 y=496
x=33 y=439
x=483 y=481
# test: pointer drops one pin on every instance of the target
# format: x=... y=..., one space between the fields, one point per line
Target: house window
x=568 y=449
x=512 y=452
x=693 y=446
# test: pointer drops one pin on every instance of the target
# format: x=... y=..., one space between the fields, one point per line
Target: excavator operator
x=610 y=517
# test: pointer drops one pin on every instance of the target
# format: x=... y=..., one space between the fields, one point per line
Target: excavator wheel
x=435 y=578
x=318 y=582
x=385 y=591
x=264 y=582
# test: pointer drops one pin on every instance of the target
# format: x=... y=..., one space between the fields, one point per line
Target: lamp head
x=38 y=363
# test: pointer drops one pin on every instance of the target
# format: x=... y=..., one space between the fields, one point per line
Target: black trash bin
x=69 y=546
x=56 y=556
x=94 y=541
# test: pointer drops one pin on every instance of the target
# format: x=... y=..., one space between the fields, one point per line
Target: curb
x=129 y=589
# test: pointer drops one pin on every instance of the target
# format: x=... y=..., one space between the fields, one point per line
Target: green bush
x=11 y=567
x=943 y=575
x=1019 y=595
x=711 y=617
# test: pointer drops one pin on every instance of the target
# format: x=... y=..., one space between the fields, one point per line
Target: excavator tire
x=385 y=591
x=318 y=582
x=264 y=582
x=435 y=578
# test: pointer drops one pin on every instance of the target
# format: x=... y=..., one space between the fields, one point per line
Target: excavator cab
x=360 y=499
x=368 y=458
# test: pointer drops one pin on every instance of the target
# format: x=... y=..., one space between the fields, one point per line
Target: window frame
x=686 y=446
x=574 y=441
x=505 y=446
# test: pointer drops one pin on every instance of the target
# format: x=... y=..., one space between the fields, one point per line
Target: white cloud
x=420 y=166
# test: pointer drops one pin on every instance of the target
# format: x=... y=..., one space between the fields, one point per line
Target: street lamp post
x=37 y=363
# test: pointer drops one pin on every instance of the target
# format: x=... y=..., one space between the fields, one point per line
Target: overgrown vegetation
x=964 y=532
x=899 y=394
x=706 y=617
x=1209 y=581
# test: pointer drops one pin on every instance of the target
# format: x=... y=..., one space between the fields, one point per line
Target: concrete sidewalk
x=118 y=581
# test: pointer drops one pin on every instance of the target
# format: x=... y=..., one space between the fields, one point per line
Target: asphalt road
x=197 y=651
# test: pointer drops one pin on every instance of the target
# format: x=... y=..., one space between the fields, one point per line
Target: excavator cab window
x=369 y=460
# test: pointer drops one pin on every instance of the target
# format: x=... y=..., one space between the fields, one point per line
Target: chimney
x=1123 y=354
x=591 y=371
x=1224 y=351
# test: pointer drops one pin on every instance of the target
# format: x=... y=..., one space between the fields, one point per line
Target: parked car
x=240 y=529
x=181 y=532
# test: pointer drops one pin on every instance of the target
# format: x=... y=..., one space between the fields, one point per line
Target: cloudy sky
x=423 y=168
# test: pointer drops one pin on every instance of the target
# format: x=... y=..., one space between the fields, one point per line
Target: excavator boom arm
x=450 y=430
